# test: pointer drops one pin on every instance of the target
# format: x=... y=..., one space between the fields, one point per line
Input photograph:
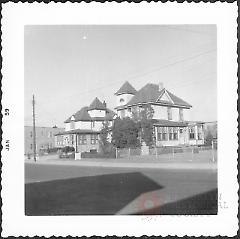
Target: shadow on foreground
x=94 y=195
x=201 y=204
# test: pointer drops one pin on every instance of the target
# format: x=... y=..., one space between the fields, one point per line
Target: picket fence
x=158 y=151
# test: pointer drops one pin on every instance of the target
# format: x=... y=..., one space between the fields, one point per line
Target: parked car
x=67 y=155
x=67 y=152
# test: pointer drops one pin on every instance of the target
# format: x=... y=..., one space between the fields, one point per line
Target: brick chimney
x=105 y=104
x=160 y=86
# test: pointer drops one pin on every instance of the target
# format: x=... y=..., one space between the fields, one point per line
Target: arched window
x=121 y=100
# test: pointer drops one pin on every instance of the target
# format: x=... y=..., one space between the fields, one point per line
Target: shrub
x=67 y=149
x=111 y=154
x=53 y=150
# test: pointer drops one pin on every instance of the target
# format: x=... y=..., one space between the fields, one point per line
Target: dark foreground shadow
x=95 y=195
x=201 y=204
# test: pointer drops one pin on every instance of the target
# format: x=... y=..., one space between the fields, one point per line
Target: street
x=76 y=190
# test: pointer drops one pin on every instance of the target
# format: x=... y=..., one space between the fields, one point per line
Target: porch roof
x=169 y=123
x=195 y=122
x=78 y=131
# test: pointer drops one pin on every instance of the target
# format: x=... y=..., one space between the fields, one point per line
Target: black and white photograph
x=120 y=120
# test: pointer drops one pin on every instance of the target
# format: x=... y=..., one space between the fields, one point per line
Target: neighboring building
x=171 y=114
x=82 y=129
x=44 y=138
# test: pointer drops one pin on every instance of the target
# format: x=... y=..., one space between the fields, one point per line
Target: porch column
x=203 y=136
x=186 y=135
x=156 y=135
x=178 y=134
x=167 y=133
x=76 y=149
x=196 y=133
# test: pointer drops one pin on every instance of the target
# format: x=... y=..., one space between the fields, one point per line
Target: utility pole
x=34 y=130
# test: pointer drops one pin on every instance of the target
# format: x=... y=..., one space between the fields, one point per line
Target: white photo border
x=16 y=16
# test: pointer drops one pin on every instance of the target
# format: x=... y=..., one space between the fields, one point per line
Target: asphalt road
x=71 y=190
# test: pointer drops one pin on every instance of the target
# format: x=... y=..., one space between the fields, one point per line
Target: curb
x=178 y=166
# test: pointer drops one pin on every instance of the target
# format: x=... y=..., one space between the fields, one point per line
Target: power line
x=188 y=30
x=146 y=73
x=195 y=82
x=175 y=63
x=50 y=115
x=191 y=81
x=203 y=79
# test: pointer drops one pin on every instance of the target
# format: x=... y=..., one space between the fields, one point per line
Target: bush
x=98 y=155
x=67 y=149
x=53 y=150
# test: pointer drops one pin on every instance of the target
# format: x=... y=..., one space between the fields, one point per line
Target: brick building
x=44 y=138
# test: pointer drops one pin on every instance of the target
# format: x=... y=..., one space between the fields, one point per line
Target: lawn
x=201 y=157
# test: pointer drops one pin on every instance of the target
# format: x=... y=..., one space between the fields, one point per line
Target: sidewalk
x=151 y=165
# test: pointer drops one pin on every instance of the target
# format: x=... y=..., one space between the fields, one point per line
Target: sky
x=67 y=66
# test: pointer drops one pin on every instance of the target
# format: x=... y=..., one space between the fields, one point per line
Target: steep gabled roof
x=177 y=100
x=97 y=105
x=150 y=93
x=83 y=115
x=126 y=88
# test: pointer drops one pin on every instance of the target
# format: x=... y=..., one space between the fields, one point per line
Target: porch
x=169 y=133
x=81 y=140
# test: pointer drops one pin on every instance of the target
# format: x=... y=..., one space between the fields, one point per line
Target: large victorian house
x=82 y=129
x=171 y=122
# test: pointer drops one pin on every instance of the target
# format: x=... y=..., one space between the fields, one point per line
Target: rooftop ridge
x=151 y=93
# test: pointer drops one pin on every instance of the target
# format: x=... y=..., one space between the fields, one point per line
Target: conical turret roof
x=126 y=88
x=97 y=105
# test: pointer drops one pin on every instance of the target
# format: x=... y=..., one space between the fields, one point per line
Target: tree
x=143 y=117
x=208 y=136
x=104 y=137
x=125 y=133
